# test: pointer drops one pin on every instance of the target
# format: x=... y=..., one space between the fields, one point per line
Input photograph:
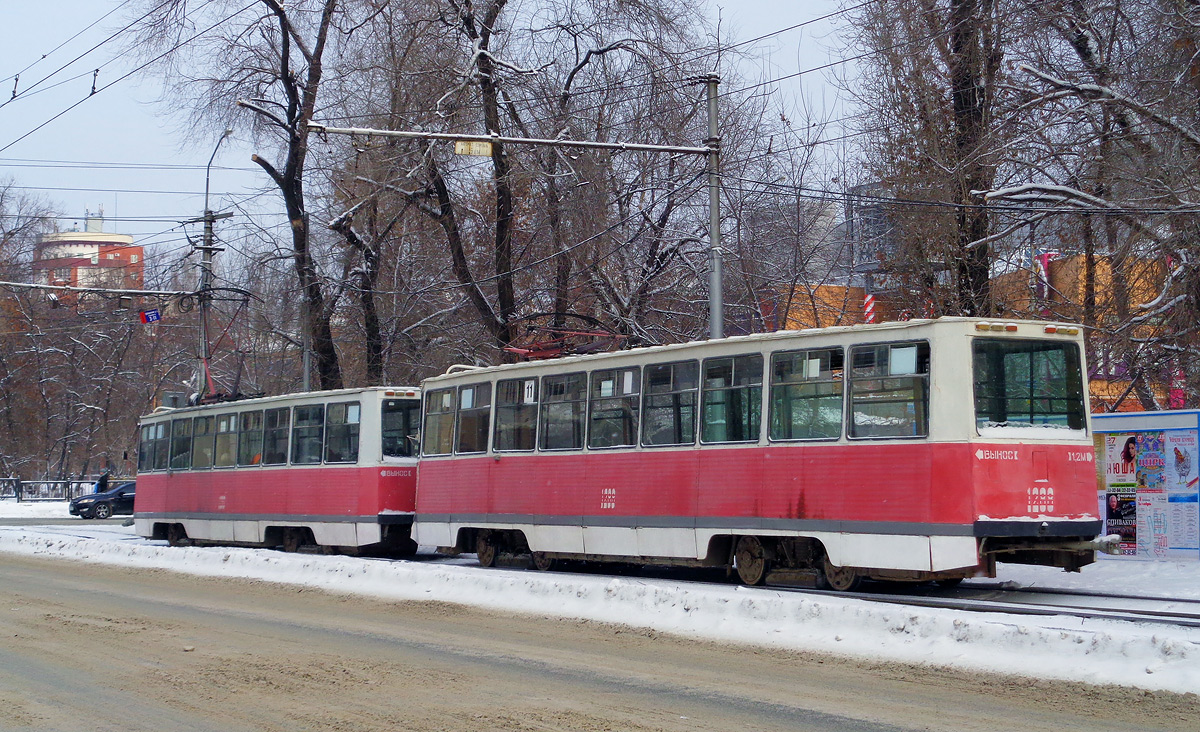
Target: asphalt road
x=90 y=647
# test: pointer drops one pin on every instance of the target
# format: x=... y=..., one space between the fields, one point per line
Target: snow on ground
x=33 y=509
x=1056 y=647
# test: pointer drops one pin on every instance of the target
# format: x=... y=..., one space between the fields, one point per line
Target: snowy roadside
x=1054 y=647
x=33 y=509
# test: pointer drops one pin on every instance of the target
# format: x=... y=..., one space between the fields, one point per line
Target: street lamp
x=208 y=169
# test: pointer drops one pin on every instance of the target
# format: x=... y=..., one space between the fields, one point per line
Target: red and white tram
x=922 y=450
x=334 y=468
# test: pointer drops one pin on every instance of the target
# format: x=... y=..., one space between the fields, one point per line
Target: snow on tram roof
x=402 y=391
x=460 y=371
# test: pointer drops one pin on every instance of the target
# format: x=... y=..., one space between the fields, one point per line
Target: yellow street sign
x=483 y=149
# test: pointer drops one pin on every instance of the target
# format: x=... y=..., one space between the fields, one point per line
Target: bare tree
x=266 y=68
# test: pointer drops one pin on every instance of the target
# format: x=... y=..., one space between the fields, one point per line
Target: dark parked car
x=102 y=505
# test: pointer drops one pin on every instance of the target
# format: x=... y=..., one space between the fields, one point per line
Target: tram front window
x=1022 y=384
x=399 y=430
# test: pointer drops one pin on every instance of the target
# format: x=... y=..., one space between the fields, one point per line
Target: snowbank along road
x=98 y=647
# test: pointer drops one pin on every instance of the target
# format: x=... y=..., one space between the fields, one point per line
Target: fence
x=47 y=490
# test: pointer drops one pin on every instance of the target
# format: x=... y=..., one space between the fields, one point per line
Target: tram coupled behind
x=332 y=469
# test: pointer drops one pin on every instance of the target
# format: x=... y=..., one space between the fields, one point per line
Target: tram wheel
x=177 y=536
x=485 y=548
x=842 y=579
x=293 y=539
x=949 y=583
x=750 y=560
x=542 y=562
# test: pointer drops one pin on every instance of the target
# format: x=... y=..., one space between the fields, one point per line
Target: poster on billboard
x=1152 y=540
x=1150 y=461
x=1181 y=483
x=1119 y=500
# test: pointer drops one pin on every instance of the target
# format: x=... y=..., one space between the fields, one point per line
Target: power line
x=112 y=165
x=44 y=56
x=131 y=73
x=17 y=95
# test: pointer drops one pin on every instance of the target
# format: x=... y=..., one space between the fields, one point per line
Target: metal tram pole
x=480 y=145
x=203 y=377
x=716 y=304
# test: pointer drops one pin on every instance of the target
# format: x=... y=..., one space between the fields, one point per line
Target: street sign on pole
x=481 y=149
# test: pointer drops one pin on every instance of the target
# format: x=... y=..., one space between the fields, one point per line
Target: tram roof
x=964 y=323
x=266 y=400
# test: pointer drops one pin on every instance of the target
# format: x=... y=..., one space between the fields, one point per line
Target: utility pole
x=204 y=382
x=716 y=304
x=481 y=145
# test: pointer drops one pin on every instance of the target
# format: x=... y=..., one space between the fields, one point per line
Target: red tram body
x=335 y=468
x=915 y=450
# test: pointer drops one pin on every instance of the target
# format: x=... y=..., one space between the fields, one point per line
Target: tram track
x=1178 y=612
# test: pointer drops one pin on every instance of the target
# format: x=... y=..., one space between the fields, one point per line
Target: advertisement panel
x=1149 y=492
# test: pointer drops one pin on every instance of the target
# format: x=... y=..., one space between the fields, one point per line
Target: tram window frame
x=563 y=405
x=623 y=395
x=472 y=420
x=250 y=438
x=917 y=378
x=151 y=443
x=517 y=408
x=225 y=441
x=438 y=429
x=748 y=393
x=1007 y=393
x=308 y=434
x=162 y=441
x=343 y=423
x=829 y=370
x=409 y=427
x=180 y=459
x=145 y=448
x=200 y=438
x=277 y=423
x=677 y=374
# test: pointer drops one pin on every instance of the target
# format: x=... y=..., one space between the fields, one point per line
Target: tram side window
x=275 y=436
x=250 y=438
x=399 y=427
x=439 y=422
x=181 y=444
x=613 y=409
x=732 y=399
x=202 y=441
x=341 y=432
x=474 y=409
x=564 y=406
x=162 y=445
x=889 y=390
x=516 y=414
x=152 y=449
x=806 y=394
x=145 y=448
x=669 y=412
x=308 y=426
x=226 y=452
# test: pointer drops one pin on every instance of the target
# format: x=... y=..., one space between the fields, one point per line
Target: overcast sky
x=122 y=131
